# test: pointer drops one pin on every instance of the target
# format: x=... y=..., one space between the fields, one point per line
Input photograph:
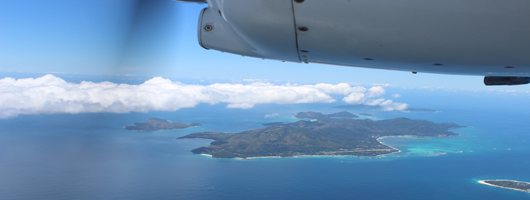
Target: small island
x=155 y=124
x=320 y=116
x=327 y=136
x=508 y=184
x=379 y=108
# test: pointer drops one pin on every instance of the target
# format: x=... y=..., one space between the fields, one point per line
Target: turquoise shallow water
x=91 y=156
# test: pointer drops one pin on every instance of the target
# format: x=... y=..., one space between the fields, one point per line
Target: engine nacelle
x=263 y=29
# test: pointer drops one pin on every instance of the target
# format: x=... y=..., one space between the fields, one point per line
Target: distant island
x=365 y=114
x=508 y=184
x=326 y=136
x=316 y=116
x=379 y=108
x=320 y=116
x=155 y=124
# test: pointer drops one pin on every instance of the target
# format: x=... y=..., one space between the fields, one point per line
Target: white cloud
x=367 y=98
x=255 y=80
x=50 y=94
x=374 y=102
x=386 y=84
x=376 y=91
x=341 y=88
x=355 y=98
x=389 y=105
x=273 y=115
x=396 y=95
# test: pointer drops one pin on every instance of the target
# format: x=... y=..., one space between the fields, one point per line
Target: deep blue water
x=91 y=156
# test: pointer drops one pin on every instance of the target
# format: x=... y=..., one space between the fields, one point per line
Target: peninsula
x=327 y=136
x=155 y=124
x=508 y=184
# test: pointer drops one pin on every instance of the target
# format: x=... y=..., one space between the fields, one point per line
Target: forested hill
x=155 y=124
x=330 y=136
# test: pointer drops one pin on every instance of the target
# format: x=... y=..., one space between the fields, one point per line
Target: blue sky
x=86 y=37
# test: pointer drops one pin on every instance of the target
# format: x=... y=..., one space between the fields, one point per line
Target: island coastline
x=398 y=150
x=327 y=136
x=521 y=190
x=299 y=156
x=381 y=155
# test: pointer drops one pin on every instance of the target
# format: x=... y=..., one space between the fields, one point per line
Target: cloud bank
x=50 y=94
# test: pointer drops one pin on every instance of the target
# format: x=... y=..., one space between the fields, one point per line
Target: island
x=379 y=108
x=320 y=116
x=365 y=115
x=155 y=124
x=508 y=184
x=316 y=116
x=324 y=137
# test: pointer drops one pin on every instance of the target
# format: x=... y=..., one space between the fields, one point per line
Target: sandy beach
x=378 y=139
x=484 y=182
x=248 y=158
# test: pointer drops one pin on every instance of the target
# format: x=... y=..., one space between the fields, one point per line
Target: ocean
x=91 y=156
